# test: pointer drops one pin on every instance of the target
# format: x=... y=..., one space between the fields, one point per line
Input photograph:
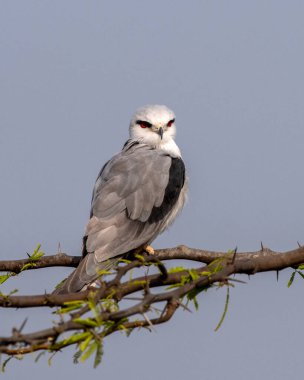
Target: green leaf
x=301 y=274
x=77 y=356
x=301 y=267
x=83 y=346
x=70 y=306
x=139 y=282
x=127 y=332
x=37 y=254
x=192 y=295
x=110 y=305
x=65 y=310
x=27 y=266
x=185 y=279
x=5 y=277
x=50 y=359
x=206 y=273
x=224 y=312
x=176 y=270
x=70 y=303
x=120 y=325
x=291 y=279
x=75 y=338
x=60 y=283
x=124 y=261
x=173 y=286
x=99 y=353
x=103 y=272
x=6 y=296
x=140 y=257
x=195 y=303
x=39 y=356
x=86 y=322
x=193 y=274
x=89 y=352
x=13 y=292
x=96 y=309
x=3 y=367
x=131 y=272
x=217 y=265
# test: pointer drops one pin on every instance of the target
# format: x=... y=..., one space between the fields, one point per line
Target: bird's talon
x=149 y=250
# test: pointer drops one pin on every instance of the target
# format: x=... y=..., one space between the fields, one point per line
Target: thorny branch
x=284 y=259
x=89 y=316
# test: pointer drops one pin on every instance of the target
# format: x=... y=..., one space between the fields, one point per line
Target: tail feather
x=85 y=274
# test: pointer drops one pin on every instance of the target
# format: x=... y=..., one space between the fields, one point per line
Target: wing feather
x=126 y=191
x=128 y=209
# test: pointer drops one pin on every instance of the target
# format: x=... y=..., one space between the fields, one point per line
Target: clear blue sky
x=71 y=75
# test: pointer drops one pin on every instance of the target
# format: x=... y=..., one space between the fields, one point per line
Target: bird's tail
x=85 y=274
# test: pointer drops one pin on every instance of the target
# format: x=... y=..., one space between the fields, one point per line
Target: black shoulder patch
x=84 y=246
x=173 y=189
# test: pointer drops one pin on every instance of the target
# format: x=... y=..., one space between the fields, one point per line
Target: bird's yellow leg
x=146 y=248
x=149 y=249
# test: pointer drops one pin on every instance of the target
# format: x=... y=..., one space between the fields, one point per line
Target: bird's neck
x=169 y=146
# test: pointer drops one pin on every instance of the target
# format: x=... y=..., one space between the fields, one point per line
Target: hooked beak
x=161 y=132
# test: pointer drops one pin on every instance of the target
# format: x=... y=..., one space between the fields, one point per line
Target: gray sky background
x=71 y=75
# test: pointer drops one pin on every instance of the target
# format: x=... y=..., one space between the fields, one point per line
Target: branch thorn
x=23 y=324
x=185 y=307
x=234 y=254
x=149 y=322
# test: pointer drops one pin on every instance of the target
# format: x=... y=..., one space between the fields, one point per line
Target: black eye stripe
x=145 y=123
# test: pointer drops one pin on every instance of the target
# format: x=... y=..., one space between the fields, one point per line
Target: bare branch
x=57 y=260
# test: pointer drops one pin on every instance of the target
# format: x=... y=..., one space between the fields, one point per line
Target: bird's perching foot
x=144 y=249
x=149 y=250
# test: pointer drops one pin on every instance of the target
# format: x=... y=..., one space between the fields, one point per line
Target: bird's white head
x=154 y=125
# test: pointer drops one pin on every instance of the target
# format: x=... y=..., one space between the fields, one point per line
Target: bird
x=137 y=195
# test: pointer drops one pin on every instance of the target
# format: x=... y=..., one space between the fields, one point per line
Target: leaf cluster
x=33 y=258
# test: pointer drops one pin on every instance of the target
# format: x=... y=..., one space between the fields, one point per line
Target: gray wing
x=129 y=187
x=129 y=190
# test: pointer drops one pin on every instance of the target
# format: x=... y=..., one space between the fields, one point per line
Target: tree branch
x=57 y=260
x=289 y=258
x=97 y=313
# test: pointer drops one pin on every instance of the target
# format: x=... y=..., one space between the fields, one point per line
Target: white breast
x=170 y=147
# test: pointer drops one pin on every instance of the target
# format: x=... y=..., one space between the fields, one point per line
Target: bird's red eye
x=170 y=123
x=144 y=124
